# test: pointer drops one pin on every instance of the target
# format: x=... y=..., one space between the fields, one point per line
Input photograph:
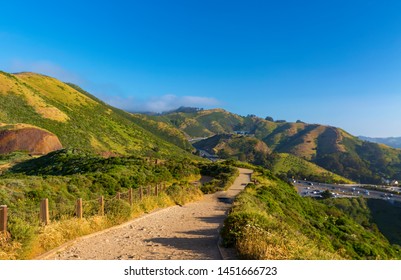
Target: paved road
x=187 y=233
x=313 y=189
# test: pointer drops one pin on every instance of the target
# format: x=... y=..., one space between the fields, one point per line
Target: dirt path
x=188 y=232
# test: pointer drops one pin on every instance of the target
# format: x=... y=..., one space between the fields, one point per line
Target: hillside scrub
x=64 y=176
x=290 y=166
x=223 y=176
x=271 y=221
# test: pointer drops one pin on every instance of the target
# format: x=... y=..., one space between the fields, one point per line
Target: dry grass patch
x=8 y=249
x=260 y=244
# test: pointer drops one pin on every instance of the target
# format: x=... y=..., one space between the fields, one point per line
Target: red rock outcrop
x=34 y=140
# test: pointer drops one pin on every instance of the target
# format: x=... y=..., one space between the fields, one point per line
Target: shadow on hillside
x=387 y=217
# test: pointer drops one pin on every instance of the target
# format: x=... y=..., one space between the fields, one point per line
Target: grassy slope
x=233 y=144
x=79 y=120
x=161 y=129
x=271 y=221
x=204 y=123
x=299 y=169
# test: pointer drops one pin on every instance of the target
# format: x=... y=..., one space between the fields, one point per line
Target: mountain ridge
x=327 y=146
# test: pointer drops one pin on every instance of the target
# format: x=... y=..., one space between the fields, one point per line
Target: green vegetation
x=109 y=152
x=7 y=160
x=65 y=175
x=202 y=123
x=81 y=121
x=108 y=175
x=387 y=217
x=329 y=147
x=243 y=148
x=254 y=151
x=223 y=176
x=289 y=166
x=271 y=221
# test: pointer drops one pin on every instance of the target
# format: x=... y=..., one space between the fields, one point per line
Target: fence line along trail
x=190 y=232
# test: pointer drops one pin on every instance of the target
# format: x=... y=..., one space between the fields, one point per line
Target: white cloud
x=46 y=68
x=161 y=103
x=111 y=93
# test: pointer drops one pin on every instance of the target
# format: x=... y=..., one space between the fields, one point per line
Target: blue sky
x=329 y=62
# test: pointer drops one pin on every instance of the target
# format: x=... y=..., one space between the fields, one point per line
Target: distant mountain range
x=394 y=142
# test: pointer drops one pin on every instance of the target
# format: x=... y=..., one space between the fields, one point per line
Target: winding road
x=190 y=232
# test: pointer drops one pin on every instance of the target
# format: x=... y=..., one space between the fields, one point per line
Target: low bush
x=223 y=175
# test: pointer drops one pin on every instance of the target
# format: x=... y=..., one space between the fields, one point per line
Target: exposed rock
x=27 y=138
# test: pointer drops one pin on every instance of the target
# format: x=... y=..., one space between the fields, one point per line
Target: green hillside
x=271 y=221
x=82 y=121
x=255 y=151
x=203 y=123
x=290 y=166
x=243 y=148
x=329 y=147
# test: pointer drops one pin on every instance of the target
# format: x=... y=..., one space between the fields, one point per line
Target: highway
x=313 y=189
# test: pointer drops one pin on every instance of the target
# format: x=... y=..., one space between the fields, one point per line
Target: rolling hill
x=81 y=121
x=329 y=147
x=243 y=148
x=255 y=151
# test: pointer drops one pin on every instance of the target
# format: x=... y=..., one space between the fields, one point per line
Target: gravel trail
x=190 y=232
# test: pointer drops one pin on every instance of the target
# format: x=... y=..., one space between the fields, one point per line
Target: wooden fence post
x=149 y=191
x=157 y=190
x=3 y=218
x=44 y=211
x=130 y=196
x=101 y=209
x=118 y=196
x=140 y=193
x=79 y=209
